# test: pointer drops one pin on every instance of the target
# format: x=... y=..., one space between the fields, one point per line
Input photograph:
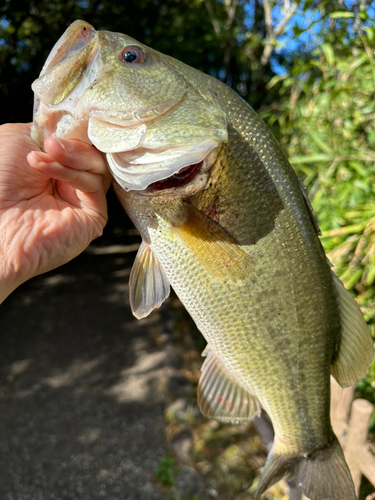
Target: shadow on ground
x=81 y=387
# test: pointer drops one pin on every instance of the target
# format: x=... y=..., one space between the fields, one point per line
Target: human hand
x=52 y=204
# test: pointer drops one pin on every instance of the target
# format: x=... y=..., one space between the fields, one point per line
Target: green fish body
x=225 y=222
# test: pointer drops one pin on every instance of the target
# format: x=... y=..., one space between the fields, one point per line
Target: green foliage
x=166 y=471
x=325 y=118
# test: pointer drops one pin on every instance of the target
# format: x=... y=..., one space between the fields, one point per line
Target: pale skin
x=52 y=203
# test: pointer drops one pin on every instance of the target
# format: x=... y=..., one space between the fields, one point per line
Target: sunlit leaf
x=328 y=53
x=309 y=159
x=341 y=14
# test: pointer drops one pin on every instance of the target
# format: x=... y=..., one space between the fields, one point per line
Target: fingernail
x=67 y=145
x=39 y=156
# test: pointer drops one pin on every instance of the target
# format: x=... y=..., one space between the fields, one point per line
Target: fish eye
x=132 y=55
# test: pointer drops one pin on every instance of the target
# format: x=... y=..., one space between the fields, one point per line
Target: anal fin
x=219 y=395
x=148 y=283
x=356 y=351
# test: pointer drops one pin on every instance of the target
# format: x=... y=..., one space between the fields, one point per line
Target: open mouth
x=181 y=178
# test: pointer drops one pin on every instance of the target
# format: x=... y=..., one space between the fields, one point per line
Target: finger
x=78 y=179
x=93 y=204
x=79 y=155
x=76 y=154
x=11 y=129
x=39 y=156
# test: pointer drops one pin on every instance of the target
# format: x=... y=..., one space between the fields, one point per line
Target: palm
x=43 y=222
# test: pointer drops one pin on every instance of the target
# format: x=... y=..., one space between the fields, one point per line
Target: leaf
x=370 y=33
x=358 y=62
x=276 y=79
x=323 y=145
x=354 y=228
x=310 y=159
x=370 y=278
x=356 y=276
x=328 y=53
x=341 y=14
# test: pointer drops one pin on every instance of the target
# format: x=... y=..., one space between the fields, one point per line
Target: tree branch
x=288 y=14
x=215 y=24
x=272 y=34
x=267 y=18
x=231 y=6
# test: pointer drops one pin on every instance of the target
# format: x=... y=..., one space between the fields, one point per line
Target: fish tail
x=321 y=475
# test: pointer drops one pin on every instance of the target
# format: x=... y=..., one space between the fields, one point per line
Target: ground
x=81 y=395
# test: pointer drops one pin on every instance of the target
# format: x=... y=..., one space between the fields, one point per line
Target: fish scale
x=236 y=239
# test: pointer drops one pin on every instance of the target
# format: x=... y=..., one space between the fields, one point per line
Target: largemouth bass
x=225 y=222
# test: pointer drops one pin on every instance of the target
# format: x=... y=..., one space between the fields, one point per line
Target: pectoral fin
x=356 y=351
x=219 y=395
x=148 y=283
x=215 y=248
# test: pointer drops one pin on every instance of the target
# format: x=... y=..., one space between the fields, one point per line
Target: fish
x=225 y=221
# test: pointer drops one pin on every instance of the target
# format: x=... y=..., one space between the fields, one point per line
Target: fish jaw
x=56 y=90
x=77 y=35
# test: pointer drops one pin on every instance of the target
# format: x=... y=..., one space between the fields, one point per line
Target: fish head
x=131 y=102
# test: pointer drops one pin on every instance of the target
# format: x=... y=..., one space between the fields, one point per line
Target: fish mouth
x=188 y=181
x=181 y=178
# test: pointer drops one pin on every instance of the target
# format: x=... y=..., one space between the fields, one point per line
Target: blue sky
x=309 y=22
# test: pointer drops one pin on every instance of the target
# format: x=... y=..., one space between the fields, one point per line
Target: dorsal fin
x=310 y=209
x=356 y=351
x=219 y=395
x=214 y=247
x=148 y=283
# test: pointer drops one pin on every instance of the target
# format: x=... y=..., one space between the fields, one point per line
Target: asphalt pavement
x=82 y=384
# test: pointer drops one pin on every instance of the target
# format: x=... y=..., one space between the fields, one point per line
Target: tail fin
x=321 y=475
